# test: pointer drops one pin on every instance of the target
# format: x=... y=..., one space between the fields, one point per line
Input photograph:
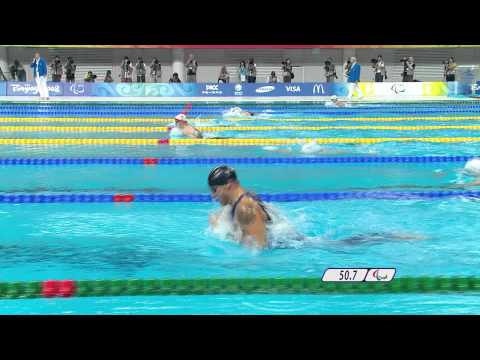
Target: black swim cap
x=221 y=175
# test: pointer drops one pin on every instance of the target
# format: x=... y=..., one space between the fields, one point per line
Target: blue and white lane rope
x=225 y=160
x=281 y=197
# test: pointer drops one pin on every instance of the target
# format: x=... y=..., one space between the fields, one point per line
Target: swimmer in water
x=248 y=214
x=236 y=111
x=185 y=128
x=335 y=102
x=311 y=147
x=472 y=168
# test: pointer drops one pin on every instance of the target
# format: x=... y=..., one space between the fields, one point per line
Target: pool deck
x=282 y=99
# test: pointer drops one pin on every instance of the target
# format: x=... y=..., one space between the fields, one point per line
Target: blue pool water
x=88 y=241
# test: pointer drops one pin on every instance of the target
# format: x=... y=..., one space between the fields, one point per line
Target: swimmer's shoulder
x=247 y=211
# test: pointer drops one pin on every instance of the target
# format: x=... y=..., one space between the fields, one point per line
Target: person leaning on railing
x=191 y=66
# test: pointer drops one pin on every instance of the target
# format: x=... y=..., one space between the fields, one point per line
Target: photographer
x=156 y=71
x=242 y=71
x=379 y=69
x=174 y=78
x=70 y=68
x=191 y=66
x=251 y=71
x=287 y=71
x=449 y=69
x=224 y=76
x=126 y=70
x=17 y=72
x=90 y=77
x=56 y=67
x=330 y=72
x=272 y=78
x=140 y=70
x=408 y=69
x=108 y=77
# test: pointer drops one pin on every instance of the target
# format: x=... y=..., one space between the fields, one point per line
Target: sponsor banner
x=369 y=89
x=145 y=89
x=15 y=88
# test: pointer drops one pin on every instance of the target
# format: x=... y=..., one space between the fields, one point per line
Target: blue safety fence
x=282 y=197
x=225 y=160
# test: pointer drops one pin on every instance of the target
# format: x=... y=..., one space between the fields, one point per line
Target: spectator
x=17 y=71
x=140 y=70
x=450 y=67
x=346 y=69
x=13 y=72
x=287 y=71
x=2 y=75
x=408 y=69
x=174 y=78
x=108 y=77
x=192 y=66
x=56 y=67
x=126 y=69
x=224 y=76
x=354 y=77
x=379 y=69
x=242 y=72
x=251 y=71
x=156 y=71
x=90 y=77
x=330 y=72
x=272 y=78
x=39 y=67
x=70 y=68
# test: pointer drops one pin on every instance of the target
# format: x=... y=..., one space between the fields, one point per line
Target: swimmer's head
x=472 y=167
x=220 y=181
x=333 y=98
x=180 y=117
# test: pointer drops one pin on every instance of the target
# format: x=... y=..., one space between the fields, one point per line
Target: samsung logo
x=265 y=89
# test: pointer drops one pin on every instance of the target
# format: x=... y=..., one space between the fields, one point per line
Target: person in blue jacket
x=354 y=77
x=39 y=68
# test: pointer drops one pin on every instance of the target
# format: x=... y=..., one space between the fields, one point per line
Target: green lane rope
x=272 y=286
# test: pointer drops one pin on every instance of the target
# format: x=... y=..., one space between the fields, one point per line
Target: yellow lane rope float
x=230 y=142
x=130 y=129
x=170 y=120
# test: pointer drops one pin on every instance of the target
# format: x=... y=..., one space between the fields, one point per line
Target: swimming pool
x=93 y=240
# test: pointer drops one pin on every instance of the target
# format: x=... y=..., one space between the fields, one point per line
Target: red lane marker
x=58 y=288
x=186 y=108
x=123 y=198
x=67 y=288
x=150 y=161
x=163 y=141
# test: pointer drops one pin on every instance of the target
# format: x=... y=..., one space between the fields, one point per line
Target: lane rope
x=225 y=160
x=280 y=197
x=273 y=286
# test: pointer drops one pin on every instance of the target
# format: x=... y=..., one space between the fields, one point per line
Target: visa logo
x=293 y=88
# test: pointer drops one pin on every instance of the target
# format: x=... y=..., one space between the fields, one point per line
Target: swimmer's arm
x=252 y=227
